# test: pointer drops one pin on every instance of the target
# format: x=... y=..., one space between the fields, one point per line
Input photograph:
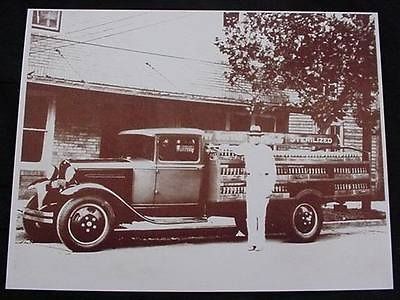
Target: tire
x=305 y=221
x=85 y=224
x=241 y=224
x=38 y=232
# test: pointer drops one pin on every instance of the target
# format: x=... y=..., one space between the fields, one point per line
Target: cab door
x=178 y=170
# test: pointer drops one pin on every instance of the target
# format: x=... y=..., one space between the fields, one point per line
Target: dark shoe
x=252 y=248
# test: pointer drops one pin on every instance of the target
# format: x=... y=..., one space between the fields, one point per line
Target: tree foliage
x=328 y=59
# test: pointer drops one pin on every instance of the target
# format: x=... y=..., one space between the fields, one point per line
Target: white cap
x=255 y=130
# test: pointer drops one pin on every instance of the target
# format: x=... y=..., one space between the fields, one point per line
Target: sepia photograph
x=184 y=150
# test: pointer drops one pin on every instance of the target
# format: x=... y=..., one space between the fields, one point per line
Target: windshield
x=135 y=146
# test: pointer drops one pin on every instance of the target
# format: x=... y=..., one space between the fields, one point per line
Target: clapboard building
x=92 y=74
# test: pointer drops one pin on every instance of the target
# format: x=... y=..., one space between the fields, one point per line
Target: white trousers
x=257 y=197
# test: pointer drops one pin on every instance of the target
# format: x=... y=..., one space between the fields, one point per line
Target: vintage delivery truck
x=184 y=175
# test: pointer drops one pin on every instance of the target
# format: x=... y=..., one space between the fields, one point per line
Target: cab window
x=178 y=148
x=134 y=146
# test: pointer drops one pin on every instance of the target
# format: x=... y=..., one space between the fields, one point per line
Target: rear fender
x=122 y=209
x=310 y=195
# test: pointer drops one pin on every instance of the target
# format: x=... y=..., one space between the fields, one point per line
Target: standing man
x=260 y=181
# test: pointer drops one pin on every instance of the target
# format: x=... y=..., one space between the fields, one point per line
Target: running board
x=170 y=221
x=184 y=223
x=175 y=220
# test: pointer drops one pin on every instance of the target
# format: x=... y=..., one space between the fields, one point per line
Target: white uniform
x=260 y=181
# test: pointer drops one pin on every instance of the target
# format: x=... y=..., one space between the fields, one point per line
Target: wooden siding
x=299 y=123
x=352 y=134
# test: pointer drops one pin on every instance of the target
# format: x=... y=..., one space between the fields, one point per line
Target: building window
x=32 y=145
x=337 y=130
x=47 y=19
x=37 y=131
x=230 y=18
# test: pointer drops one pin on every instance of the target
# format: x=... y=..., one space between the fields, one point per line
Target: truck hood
x=106 y=163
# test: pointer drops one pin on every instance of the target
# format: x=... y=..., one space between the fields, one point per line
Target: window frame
x=44 y=27
x=157 y=152
x=230 y=18
x=340 y=126
x=47 y=147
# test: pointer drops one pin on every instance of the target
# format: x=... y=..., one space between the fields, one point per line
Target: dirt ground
x=331 y=215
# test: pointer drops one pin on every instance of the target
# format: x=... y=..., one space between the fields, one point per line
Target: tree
x=328 y=59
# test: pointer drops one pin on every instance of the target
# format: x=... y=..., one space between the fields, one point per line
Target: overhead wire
x=136 y=51
x=100 y=32
x=89 y=43
x=111 y=34
x=140 y=27
x=161 y=74
x=109 y=22
x=70 y=65
x=89 y=27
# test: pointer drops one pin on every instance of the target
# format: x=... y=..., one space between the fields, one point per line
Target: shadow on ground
x=331 y=215
x=191 y=236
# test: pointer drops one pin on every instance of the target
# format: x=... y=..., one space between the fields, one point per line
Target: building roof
x=160 y=131
x=162 y=53
x=133 y=91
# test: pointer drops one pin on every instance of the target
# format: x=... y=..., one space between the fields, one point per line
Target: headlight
x=69 y=173
x=51 y=172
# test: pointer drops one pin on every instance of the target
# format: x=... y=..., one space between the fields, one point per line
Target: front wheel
x=305 y=221
x=85 y=224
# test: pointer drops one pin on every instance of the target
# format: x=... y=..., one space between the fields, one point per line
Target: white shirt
x=259 y=160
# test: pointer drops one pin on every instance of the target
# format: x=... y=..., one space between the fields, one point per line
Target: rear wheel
x=305 y=221
x=85 y=224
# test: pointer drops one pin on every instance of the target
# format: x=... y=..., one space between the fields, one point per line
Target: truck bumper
x=39 y=216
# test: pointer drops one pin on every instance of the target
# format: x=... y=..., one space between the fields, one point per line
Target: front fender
x=72 y=190
x=120 y=206
x=40 y=186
